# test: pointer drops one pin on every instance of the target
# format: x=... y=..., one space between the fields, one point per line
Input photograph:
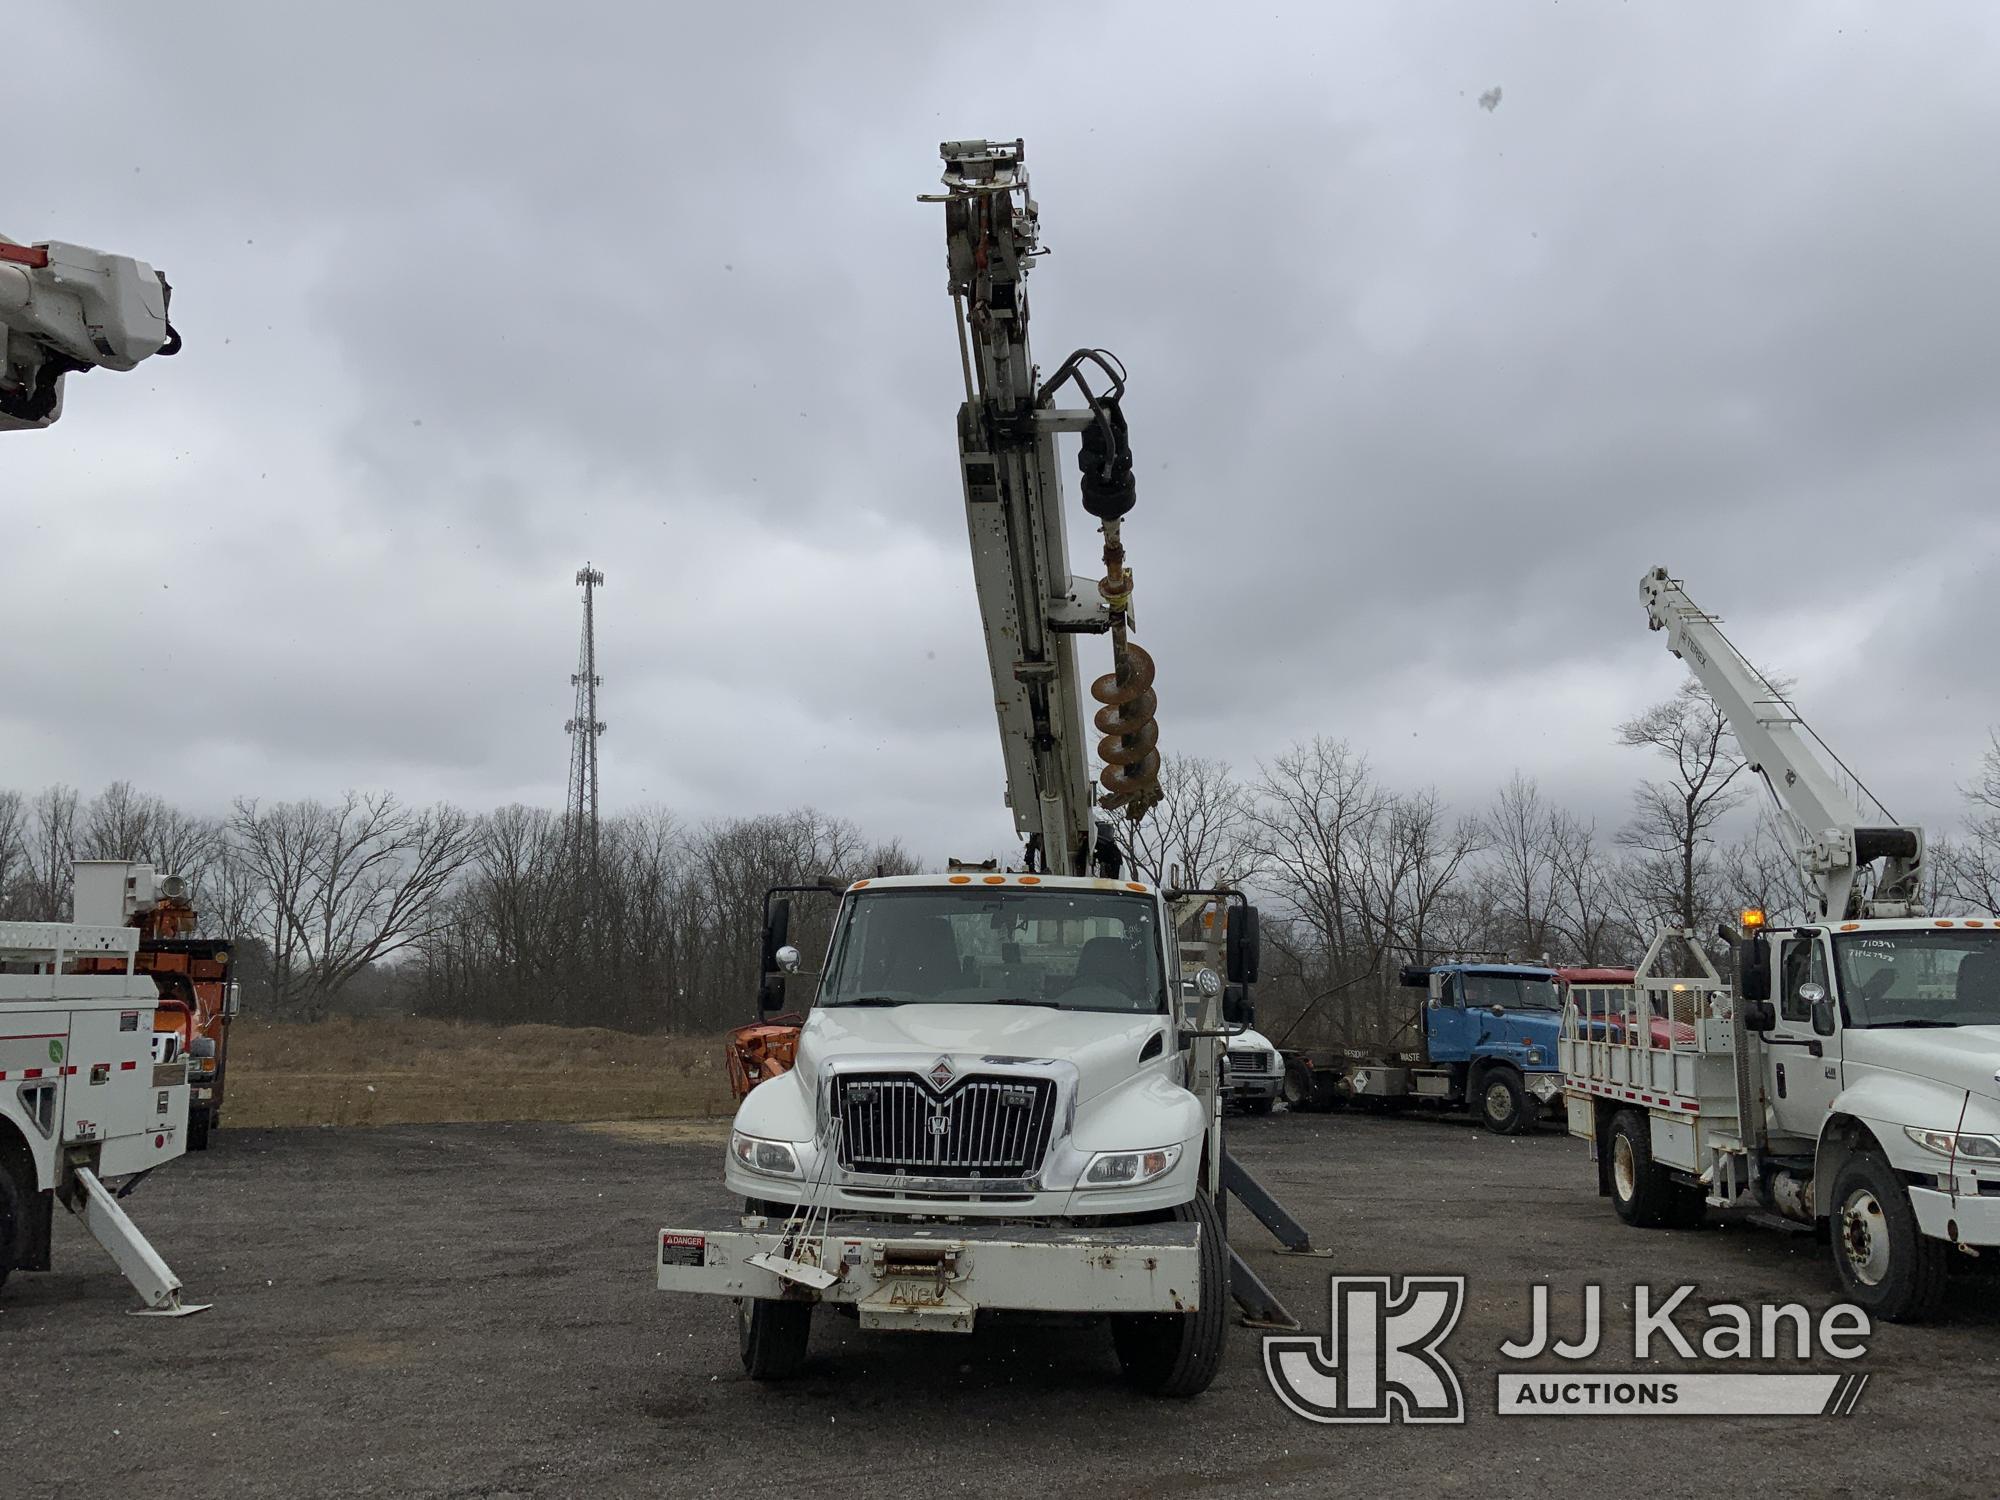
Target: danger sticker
x=683 y=1249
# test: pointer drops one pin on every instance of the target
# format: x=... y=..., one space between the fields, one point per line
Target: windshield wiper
x=1913 y=1022
x=869 y=1000
x=1043 y=1004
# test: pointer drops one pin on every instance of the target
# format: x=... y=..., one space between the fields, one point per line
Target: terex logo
x=1380 y=1359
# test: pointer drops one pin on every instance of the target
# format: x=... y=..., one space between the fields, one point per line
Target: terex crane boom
x=65 y=309
x=1030 y=604
x=1005 y=1097
x=1852 y=1077
x=1834 y=841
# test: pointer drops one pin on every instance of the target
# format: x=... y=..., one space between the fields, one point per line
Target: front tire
x=1176 y=1354
x=1885 y=1263
x=772 y=1337
x=1258 y=1106
x=1503 y=1102
x=198 y=1128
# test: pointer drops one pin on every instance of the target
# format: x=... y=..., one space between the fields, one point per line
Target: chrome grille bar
x=894 y=1123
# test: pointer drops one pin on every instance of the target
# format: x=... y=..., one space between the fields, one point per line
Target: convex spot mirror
x=1815 y=995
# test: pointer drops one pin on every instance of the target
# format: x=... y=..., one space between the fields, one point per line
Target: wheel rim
x=1624 y=1169
x=1499 y=1101
x=1864 y=1237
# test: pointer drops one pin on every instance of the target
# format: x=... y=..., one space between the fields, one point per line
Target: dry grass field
x=390 y=1070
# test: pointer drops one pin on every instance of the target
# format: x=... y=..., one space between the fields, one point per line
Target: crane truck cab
x=989 y=1109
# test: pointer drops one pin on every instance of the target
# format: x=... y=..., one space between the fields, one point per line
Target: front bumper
x=938 y=1277
x=1254 y=1086
x=1967 y=1219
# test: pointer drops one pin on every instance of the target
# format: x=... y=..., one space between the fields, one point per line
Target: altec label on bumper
x=683 y=1249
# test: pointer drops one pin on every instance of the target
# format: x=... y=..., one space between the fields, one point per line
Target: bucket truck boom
x=64 y=309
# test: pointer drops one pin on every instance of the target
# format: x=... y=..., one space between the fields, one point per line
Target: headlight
x=776 y=1158
x=1130 y=1168
x=1534 y=1054
x=1946 y=1143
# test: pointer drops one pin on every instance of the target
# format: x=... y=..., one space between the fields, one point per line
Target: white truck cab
x=1253 y=1072
x=992 y=1109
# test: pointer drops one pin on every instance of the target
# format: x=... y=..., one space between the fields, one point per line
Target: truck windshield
x=1511 y=991
x=1071 y=950
x=1928 y=977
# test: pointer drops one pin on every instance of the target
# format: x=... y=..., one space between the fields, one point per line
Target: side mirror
x=777 y=929
x=232 y=999
x=1240 y=945
x=1753 y=970
x=1759 y=1015
x=1236 y=1007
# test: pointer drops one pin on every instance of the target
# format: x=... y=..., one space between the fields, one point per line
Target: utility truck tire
x=1176 y=1354
x=1258 y=1106
x=773 y=1336
x=1503 y=1102
x=198 y=1131
x=1641 y=1189
x=1885 y=1263
x=1298 y=1087
x=13 y=1221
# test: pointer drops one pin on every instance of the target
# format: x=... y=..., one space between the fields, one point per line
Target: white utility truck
x=1850 y=1078
x=1003 y=1098
x=65 y=309
x=91 y=1097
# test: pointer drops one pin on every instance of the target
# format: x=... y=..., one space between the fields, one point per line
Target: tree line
x=508 y=916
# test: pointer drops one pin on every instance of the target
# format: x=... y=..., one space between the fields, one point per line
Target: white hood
x=1965 y=1057
x=1103 y=1046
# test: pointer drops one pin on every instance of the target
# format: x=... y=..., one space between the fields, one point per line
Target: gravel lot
x=467 y=1310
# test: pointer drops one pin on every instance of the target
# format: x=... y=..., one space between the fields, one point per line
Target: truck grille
x=893 y=1123
x=1249 y=1062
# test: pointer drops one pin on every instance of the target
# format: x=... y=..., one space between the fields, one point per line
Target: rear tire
x=1298 y=1088
x=13 y=1222
x=1885 y=1263
x=773 y=1337
x=1644 y=1192
x=1503 y=1102
x=1176 y=1354
x=198 y=1128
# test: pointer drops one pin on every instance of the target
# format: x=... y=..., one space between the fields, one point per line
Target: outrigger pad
x=173 y=1309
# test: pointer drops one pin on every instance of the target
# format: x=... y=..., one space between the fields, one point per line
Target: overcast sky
x=472 y=294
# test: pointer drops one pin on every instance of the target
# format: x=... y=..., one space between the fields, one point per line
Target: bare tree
x=1966 y=870
x=117 y=824
x=51 y=853
x=1313 y=806
x=347 y=885
x=14 y=877
x=1584 y=911
x=1672 y=828
x=1201 y=827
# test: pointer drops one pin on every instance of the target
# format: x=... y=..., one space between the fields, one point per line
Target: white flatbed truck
x=1849 y=1079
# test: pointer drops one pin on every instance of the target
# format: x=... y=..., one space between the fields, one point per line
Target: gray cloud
x=1419 y=389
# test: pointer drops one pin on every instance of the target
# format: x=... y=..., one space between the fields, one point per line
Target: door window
x=1804 y=964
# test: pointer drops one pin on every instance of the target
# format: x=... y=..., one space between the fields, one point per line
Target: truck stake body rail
x=1850 y=1077
x=90 y=1095
x=1005 y=1096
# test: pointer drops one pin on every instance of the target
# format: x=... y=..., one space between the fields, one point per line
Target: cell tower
x=584 y=728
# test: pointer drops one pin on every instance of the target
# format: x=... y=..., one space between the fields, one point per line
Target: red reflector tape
x=31 y=1072
x=25 y=255
x=126 y=1067
x=69 y=1070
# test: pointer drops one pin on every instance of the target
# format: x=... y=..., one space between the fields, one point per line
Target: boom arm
x=65 y=308
x=1030 y=604
x=1835 y=840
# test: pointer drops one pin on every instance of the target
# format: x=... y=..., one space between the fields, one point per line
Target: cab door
x=1448 y=1029
x=1801 y=1067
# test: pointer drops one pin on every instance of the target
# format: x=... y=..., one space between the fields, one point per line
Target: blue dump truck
x=1483 y=1038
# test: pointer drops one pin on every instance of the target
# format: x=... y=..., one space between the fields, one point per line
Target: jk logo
x=1380 y=1359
